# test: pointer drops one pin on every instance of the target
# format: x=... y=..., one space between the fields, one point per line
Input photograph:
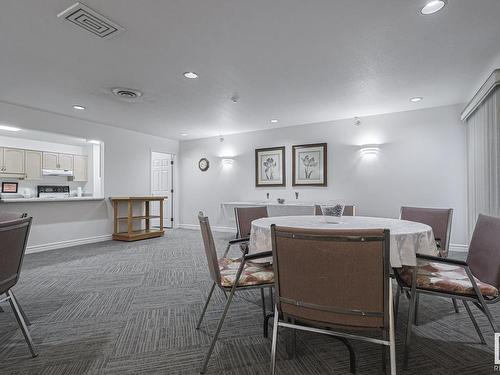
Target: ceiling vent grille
x=82 y=16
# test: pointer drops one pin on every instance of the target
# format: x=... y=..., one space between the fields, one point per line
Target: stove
x=53 y=191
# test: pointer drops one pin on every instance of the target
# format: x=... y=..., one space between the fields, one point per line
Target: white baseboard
x=459 y=248
x=58 y=245
x=215 y=229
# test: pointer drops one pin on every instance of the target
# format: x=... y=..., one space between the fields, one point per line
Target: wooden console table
x=135 y=228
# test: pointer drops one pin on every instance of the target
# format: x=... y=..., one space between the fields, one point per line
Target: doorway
x=162 y=168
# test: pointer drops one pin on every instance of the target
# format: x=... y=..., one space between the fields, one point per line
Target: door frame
x=171 y=224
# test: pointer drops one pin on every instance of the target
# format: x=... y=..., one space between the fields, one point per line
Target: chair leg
x=263 y=299
x=392 y=339
x=411 y=310
x=417 y=301
x=271 y=298
x=266 y=324
x=221 y=321
x=26 y=320
x=396 y=306
x=206 y=305
x=22 y=323
x=227 y=250
x=487 y=312
x=476 y=326
x=455 y=305
x=275 y=341
x=291 y=342
x=1 y=310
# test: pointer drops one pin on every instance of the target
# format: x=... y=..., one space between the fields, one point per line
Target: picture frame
x=310 y=165
x=9 y=187
x=270 y=167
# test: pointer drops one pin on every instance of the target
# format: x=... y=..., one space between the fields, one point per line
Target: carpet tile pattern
x=119 y=308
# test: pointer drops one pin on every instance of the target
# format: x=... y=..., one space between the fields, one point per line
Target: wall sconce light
x=369 y=150
x=227 y=162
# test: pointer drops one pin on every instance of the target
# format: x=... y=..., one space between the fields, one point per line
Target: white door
x=80 y=168
x=161 y=184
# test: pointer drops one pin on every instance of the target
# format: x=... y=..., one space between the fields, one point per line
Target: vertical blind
x=483 y=163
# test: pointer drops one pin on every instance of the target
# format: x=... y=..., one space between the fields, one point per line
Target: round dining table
x=407 y=238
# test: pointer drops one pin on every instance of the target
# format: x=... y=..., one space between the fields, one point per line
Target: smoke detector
x=126 y=94
x=88 y=19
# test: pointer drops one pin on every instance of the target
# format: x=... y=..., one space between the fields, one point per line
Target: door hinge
x=171 y=162
x=172 y=191
x=171 y=219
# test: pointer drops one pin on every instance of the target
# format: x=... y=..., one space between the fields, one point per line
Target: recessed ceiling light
x=9 y=128
x=184 y=134
x=432 y=7
x=416 y=99
x=79 y=107
x=190 y=75
x=94 y=141
x=274 y=121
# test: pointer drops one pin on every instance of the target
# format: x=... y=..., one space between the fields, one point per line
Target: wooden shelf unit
x=133 y=234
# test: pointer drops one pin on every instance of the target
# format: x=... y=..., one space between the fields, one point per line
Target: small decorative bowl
x=281 y=200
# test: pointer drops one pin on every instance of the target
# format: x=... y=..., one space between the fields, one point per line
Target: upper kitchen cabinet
x=52 y=160
x=65 y=162
x=33 y=165
x=12 y=161
x=80 y=168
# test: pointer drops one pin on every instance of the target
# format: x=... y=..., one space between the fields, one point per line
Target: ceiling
x=293 y=60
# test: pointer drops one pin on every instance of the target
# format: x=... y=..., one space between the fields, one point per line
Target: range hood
x=57 y=172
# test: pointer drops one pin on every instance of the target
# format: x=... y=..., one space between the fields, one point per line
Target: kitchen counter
x=40 y=200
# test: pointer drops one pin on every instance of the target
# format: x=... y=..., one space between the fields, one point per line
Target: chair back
x=8 y=216
x=484 y=250
x=210 y=249
x=439 y=219
x=337 y=277
x=244 y=217
x=349 y=210
x=13 y=239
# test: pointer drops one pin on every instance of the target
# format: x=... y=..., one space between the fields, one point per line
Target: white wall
x=421 y=162
x=127 y=156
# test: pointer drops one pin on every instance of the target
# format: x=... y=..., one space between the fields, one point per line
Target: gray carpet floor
x=131 y=308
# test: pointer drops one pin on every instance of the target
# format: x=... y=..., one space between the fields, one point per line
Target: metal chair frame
x=478 y=299
x=388 y=332
x=232 y=291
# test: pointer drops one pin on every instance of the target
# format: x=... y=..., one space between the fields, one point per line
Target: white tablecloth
x=407 y=237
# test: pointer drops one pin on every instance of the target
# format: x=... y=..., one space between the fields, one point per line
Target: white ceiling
x=294 y=60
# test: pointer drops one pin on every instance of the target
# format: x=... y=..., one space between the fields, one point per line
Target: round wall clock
x=203 y=164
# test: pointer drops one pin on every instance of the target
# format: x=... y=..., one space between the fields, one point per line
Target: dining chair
x=13 y=239
x=476 y=280
x=439 y=219
x=244 y=217
x=8 y=216
x=349 y=210
x=231 y=275
x=332 y=282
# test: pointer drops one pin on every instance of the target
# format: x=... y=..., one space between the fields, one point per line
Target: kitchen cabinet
x=80 y=168
x=65 y=162
x=52 y=160
x=33 y=165
x=12 y=161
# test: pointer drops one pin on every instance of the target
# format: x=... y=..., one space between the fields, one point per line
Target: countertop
x=40 y=200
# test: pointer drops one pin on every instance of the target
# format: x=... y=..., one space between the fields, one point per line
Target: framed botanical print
x=270 y=167
x=309 y=165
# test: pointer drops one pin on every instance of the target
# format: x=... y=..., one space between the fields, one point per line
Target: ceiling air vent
x=88 y=19
x=126 y=94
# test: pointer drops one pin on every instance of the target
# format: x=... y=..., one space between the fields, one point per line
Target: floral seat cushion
x=253 y=273
x=446 y=278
